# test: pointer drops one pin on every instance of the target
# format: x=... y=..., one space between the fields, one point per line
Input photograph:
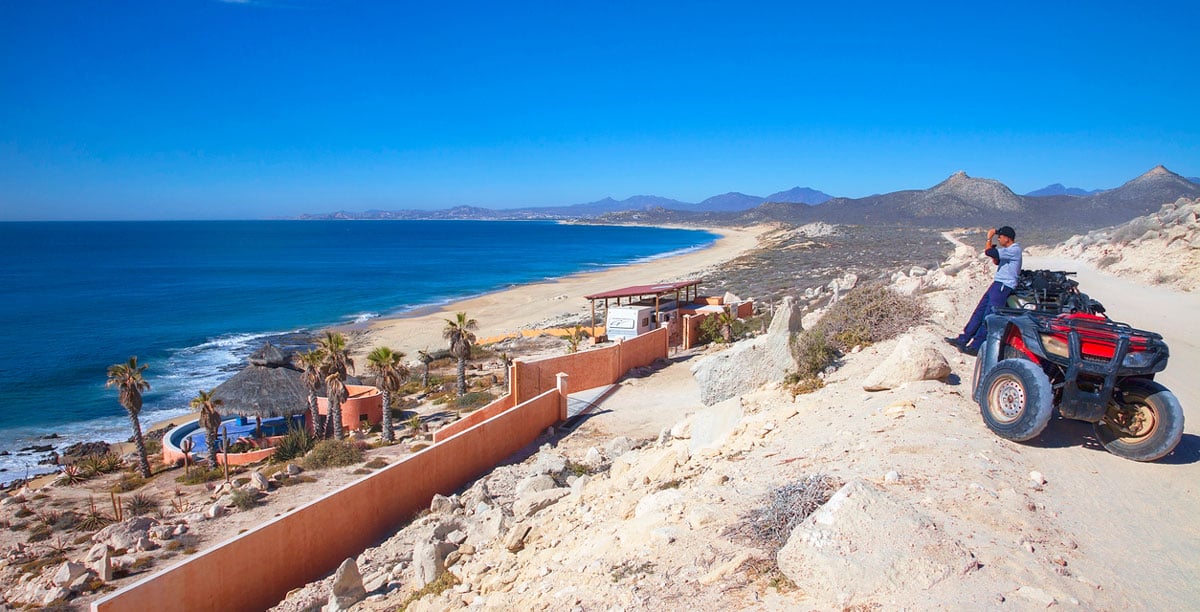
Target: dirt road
x=1141 y=518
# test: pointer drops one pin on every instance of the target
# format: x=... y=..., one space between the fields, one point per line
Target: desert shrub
x=241 y=446
x=813 y=353
x=93 y=519
x=128 y=482
x=140 y=504
x=868 y=314
x=1107 y=261
x=376 y=463
x=444 y=581
x=710 y=330
x=39 y=533
x=23 y=512
x=72 y=475
x=770 y=525
x=473 y=400
x=294 y=444
x=332 y=453
x=244 y=499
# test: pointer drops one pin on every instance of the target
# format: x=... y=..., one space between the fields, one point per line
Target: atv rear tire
x=1152 y=417
x=1016 y=400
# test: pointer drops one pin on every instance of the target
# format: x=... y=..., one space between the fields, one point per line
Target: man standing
x=1007 y=257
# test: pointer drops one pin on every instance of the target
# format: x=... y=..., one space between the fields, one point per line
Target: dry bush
x=770 y=525
x=865 y=315
x=332 y=453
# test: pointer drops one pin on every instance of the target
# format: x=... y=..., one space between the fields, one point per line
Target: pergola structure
x=690 y=290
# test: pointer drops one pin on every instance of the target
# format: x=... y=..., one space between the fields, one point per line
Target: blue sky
x=204 y=109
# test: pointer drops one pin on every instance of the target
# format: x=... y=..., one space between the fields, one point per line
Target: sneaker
x=953 y=341
x=969 y=350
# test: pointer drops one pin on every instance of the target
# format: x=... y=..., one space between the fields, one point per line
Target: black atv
x=1056 y=348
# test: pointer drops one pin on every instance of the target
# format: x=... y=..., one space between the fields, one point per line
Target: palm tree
x=127 y=378
x=425 y=358
x=310 y=363
x=337 y=366
x=390 y=373
x=725 y=324
x=210 y=420
x=458 y=332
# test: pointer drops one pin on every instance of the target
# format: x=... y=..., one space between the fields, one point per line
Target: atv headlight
x=1140 y=359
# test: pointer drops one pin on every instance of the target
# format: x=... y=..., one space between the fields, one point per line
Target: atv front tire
x=1144 y=421
x=1017 y=401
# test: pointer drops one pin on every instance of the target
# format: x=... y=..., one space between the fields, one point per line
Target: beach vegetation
x=444 y=581
x=474 y=400
x=210 y=420
x=425 y=358
x=101 y=464
x=414 y=424
x=575 y=337
x=459 y=332
x=128 y=481
x=331 y=454
x=294 y=444
x=141 y=504
x=310 y=364
x=130 y=383
x=72 y=475
x=244 y=499
x=390 y=374
x=337 y=366
x=201 y=476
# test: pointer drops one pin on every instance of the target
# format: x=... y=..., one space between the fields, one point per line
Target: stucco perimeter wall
x=504 y=403
x=589 y=369
x=255 y=570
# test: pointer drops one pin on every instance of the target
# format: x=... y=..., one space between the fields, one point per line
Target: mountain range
x=960 y=200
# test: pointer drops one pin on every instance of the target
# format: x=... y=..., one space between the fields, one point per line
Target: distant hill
x=800 y=195
x=1058 y=189
x=1194 y=179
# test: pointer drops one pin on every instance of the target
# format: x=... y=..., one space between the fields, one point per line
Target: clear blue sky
x=209 y=109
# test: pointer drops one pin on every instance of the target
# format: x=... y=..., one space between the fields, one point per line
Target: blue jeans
x=975 y=331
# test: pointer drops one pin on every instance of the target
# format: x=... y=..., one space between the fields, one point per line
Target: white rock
x=910 y=361
x=347 y=588
x=1036 y=478
x=892 y=476
x=68 y=572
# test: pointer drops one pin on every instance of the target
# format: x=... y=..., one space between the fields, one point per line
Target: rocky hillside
x=1162 y=248
x=928 y=509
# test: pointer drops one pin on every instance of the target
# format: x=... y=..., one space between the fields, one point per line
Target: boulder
x=68 y=572
x=126 y=534
x=258 y=482
x=347 y=588
x=826 y=551
x=533 y=484
x=214 y=511
x=515 y=540
x=620 y=445
x=99 y=560
x=533 y=502
x=442 y=504
x=750 y=364
x=910 y=361
x=429 y=560
x=549 y=462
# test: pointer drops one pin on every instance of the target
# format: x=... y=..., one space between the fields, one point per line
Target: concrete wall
x=589 y=369
x=255 y=570
x=504 y=403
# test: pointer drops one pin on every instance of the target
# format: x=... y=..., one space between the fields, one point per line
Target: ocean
x=192 y=299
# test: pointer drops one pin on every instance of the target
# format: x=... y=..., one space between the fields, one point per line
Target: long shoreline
x=520 y=307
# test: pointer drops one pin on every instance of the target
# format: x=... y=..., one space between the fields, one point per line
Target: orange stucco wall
x=255 y=570
x=364 y=400
x=473 y=419
x=589 y=369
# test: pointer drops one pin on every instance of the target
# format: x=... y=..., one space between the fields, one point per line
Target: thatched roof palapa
x=268 y=387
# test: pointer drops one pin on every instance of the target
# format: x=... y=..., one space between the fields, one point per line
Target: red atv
x=1057 y=349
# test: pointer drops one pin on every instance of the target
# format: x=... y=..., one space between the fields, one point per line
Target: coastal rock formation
x=748 y=365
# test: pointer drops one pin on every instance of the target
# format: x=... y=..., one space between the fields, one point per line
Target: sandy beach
x=525 y=306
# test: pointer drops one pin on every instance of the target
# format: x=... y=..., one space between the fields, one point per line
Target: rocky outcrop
x=829 y=555
x=750 y=364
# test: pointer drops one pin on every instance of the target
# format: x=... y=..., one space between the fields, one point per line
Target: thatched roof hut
x=270 y=386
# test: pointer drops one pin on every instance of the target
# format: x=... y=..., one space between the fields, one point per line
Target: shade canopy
x=268 y=387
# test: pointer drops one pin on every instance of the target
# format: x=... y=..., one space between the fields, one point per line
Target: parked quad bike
x=1053 y=347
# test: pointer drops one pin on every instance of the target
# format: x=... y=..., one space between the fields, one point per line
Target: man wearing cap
x=1007 y=257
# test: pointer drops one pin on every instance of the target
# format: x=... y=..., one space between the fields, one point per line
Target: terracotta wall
x=589 y=369
x=364 y=399
x=255 y=570
x=504 y=403
x=691 y=329
x=640 y=351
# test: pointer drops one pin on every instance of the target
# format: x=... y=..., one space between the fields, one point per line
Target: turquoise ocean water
x=192 y=299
